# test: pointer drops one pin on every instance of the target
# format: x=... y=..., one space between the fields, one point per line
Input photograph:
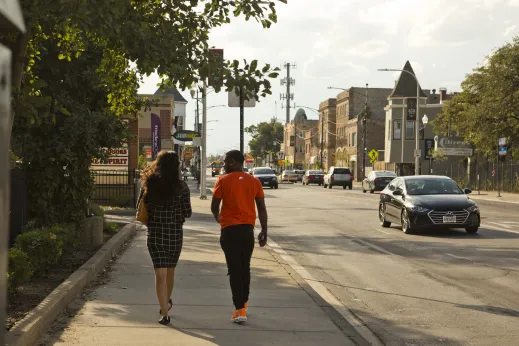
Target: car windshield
x=341 y=171
x=263 y=171
x=385 y=174
x=315 y=172
x=432 y=187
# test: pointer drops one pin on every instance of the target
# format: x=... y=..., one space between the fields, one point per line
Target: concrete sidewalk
x=124 y=310
x=491 y=196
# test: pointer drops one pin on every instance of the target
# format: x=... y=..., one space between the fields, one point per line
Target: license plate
x=449 y=219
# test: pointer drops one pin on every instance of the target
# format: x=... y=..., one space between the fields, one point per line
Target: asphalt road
x=432 y=288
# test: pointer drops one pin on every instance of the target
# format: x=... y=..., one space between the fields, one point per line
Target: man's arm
x=215 y=208
x=263 y=217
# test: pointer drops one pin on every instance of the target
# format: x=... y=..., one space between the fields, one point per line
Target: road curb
x=350 y=328
x=30 y=329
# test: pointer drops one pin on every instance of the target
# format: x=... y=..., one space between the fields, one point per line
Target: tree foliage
x=170 y=37
x=58 y=138
x=488 y=106
x=266 y=137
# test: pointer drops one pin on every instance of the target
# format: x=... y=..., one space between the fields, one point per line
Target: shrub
x=20 y=269
x=110 y=227
x=43 y=247
x=68 y=234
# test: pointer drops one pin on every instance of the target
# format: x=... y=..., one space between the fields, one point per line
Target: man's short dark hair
x=236 y=155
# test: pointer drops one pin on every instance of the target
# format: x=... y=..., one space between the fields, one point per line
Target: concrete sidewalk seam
x=347 y=326
x=35 y=324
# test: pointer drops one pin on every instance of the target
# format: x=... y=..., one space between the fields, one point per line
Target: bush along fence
x=486 y=175
x=37 y=250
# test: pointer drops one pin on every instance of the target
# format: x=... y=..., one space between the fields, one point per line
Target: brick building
x=327 y=119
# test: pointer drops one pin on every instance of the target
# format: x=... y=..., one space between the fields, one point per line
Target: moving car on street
x=289 y=177
x=266 y=175
x=377 y=181
x=338 y=176
x=216 y=168
x=418 y=202
x=313 y=177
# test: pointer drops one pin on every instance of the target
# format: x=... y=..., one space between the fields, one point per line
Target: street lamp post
x=417 y=120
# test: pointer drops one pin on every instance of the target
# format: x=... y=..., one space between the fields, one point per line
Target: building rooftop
x=177 y=96
x=406 y=85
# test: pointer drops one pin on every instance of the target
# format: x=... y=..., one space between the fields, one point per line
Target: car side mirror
x=397 y=193
x=468 y=191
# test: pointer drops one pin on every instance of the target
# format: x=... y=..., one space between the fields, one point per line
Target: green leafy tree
x=58 y=139
x=170 y=37
x=488 y=106
x=266 y=137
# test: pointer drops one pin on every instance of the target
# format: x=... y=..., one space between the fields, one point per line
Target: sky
x=342 y=43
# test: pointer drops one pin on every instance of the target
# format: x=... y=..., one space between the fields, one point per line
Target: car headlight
x=419 y=209
x=474 y=208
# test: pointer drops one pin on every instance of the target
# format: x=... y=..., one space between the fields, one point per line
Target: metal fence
x=486 y=175
x=115 y=187
x=19 y=212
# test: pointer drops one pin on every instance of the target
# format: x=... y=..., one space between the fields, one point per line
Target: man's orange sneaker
x=239 y=316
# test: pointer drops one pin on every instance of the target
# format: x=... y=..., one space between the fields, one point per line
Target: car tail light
x=377 y=179
x=310 y=176
x=332 y=177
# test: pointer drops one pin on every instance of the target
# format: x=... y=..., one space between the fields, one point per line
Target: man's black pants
x=237 y=243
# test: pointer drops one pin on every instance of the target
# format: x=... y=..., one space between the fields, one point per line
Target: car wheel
x=371 y=191
x=350 y=187
x=471 y=229
x=344 y=187
x=406 y=224
x=382 y=216
x=271 y=187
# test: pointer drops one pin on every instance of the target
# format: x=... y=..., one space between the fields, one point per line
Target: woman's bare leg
x=161 y=288
x=171 y=281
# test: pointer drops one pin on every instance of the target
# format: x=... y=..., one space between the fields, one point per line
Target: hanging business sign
x=185 y=135
x=116 y=157
x=155 y=135
x=411 y=109
x=454 y=146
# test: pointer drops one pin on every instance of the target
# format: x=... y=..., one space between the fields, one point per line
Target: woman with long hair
x=167 y=198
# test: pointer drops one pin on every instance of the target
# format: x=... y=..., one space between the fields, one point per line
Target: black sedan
x=417 y=202
x=377 y=181
x=313 y=177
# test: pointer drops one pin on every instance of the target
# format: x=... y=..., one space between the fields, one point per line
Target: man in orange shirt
x=241 y=193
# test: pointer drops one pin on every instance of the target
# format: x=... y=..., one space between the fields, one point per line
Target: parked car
x=377 y=181
x=289 y=176
x=313 y=177
x=266 y=175
x=338 y=176
x=417 y=202
x=245 y=169
x=300 y=174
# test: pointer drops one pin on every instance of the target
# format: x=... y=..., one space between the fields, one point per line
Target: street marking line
x=322 y=291
x=378 y=248
x=494 y=228
x=499 y=224
x=381 y=231
x=458 y=257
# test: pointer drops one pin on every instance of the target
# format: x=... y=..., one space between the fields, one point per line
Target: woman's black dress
x=165 y=234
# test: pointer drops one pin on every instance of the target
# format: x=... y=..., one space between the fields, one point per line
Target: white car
x=338 y=176
x=289 y=176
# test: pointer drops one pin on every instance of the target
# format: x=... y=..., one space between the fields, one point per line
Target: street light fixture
x=417 y=121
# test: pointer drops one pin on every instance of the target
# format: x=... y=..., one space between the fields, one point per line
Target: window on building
x=409 y=129
x=397 y=129
x=354 y=139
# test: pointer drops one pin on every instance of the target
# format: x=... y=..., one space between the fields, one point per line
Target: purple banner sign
x=155 y=135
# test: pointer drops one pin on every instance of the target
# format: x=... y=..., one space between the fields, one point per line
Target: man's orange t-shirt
x=238 y=191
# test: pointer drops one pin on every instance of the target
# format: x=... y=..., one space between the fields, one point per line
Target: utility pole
x=364 y=144
x=288 y=81
x=197 y=129
x=322 y=137
x=203 y=190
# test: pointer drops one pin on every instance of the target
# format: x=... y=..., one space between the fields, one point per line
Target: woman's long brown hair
x=161 y=180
